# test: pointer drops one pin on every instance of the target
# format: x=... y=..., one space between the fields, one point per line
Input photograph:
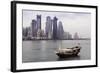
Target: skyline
x=72 y=22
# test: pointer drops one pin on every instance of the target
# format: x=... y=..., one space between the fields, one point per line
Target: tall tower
x=60 y=30
x=55 y=28
x=38 y=22
x=48 y=28
x=34 y=28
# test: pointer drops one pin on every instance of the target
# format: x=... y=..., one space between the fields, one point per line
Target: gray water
x=40 y=51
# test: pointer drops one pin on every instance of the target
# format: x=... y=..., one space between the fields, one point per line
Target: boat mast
x=60 y=44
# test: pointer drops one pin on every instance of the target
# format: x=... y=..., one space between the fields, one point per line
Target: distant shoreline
x=51 y=39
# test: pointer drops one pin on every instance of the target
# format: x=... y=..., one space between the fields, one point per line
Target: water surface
x=40 y=51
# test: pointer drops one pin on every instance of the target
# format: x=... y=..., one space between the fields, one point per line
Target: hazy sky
x=72 y=21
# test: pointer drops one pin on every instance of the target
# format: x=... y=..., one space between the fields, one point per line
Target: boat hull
x=62 y=53
x=66 y=55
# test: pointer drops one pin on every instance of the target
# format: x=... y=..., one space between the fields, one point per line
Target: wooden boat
x=67 y=52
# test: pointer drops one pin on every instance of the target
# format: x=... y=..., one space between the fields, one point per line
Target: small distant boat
x=67 y=52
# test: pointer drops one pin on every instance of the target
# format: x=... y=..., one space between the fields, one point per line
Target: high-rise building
x=60 y=30
x=25 y=32
x=29 y=32
x=38 y=22
x=76 y=36
x=55 y=28
x=67 y=35
x=48 y=28
x=34 y=28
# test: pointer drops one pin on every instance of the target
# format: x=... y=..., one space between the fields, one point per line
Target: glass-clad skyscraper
x=48 y=28
x=60 y=30
x=55 y=27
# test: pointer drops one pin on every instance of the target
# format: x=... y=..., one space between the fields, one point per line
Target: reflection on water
x=69 y=58
x=39 y=51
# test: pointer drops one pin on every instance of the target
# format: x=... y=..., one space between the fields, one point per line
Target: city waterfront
x=44 y=50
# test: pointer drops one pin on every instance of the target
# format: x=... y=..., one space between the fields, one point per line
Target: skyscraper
x=34 y=28
x=25 y=32
x=38 y=22
x=29 y=32
x=60 y=30
x=48 y=28
x=76 y=36
x=67 y=35
x=55 y=28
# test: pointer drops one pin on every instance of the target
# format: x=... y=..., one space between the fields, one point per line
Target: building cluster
x=53 y=30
